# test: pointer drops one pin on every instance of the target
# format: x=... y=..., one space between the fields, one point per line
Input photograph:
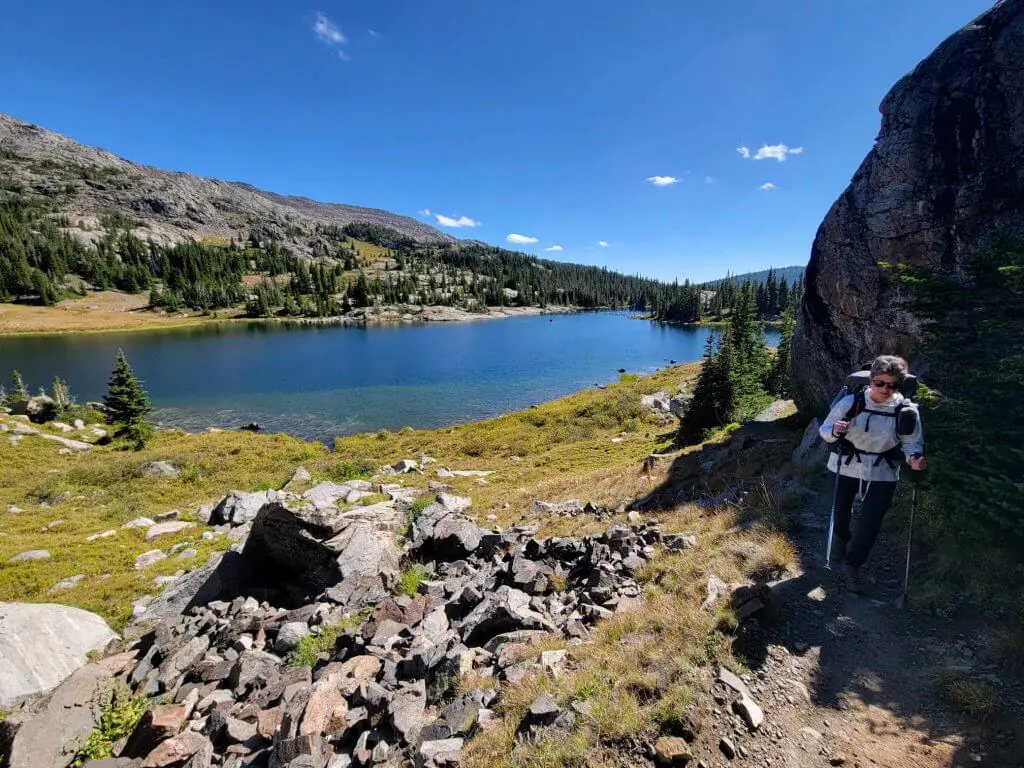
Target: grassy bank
x=562 y=449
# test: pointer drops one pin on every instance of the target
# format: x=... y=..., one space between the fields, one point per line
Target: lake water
x=322 y=381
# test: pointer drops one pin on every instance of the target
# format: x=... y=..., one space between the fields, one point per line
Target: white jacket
x=875 y=433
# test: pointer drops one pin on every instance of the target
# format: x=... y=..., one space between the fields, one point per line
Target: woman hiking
x=868 y=452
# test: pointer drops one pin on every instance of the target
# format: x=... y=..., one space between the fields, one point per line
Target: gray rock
x=504 y=610
x=49 y=734
x=41 y=645
x=160 y=469
x=187 y=554
x=812 y=449
x=328 y=494
x=940 y=183
x=454 y=503
x=222 y=574
x=727 y=747
x=441 y=752
x=102 y=535
x=239 y=507
x=69 y=583
x=147 y=559
x=139 y=522
x=250 y=668
x=74 y=445
x=290 y=635
x=751 y=713
x=182 y=660
x=733 y=681
x=301 y=476
x=407 y=710
x=571 y=507
x=32 y=554
x=677 y=542
x=165 y=529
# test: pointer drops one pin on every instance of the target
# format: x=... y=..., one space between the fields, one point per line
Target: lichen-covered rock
x=945 y=177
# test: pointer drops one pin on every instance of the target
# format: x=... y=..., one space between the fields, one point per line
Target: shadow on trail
x=881 y=669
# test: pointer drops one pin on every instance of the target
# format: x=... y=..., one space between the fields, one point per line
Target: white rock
x=104 y=535
x=69 y=583
x=32 y=554
x=147 y=559
x=42 y=644
x=164 y=529
x=139 y=522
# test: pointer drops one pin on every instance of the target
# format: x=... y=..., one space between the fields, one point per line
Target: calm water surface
x=322 y=381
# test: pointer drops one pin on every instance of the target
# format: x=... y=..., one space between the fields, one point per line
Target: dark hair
x=890 y=365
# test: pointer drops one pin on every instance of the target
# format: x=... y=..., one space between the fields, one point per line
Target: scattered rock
x=165 y=529
x=103 y=535
x=160 y=469
x=751 y=713
x=727 y=747
x=672 y=750
x=32 y=554
x=69 y=583
x=139 y=522
x=147 y=559
x=301 y=476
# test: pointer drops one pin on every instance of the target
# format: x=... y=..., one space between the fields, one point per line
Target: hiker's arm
x=914 y=442
x=836 y=414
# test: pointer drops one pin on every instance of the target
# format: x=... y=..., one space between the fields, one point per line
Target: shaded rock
x=41 y=645
x=407 y=710
x=504 y=610
x=290 y=635
x=285 y=751
x=220 y=575
x=251 y=668
x=812 y=449
x=459 y=718
x=182 y=660
x=239 y=507
x=727 y=747
x=678 y=542
x=48 y=735
x=441 y=752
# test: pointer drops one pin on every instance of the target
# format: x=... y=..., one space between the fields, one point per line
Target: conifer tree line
x=37 y=255
x=719 y=299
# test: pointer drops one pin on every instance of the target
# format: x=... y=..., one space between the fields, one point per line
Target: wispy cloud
x=662 y=181
x=770 y=152
x=425 y=212
x=521 y=239
x=604 y=243
x=710 y=179
x=767 y=187
x=462 y=221
x=330 y=34
x=555 y=248
x=373 y=33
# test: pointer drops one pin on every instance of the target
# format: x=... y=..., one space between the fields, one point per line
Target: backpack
x=904 y=421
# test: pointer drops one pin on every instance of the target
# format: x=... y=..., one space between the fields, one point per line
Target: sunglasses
x=885 y=384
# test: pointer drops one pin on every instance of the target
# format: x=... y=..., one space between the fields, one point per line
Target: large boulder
x=240 y=507
x=945 y=177
x=309 y=551
x=42 y=644
x=50 y=733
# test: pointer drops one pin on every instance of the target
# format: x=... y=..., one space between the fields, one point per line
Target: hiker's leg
x=876 y=503
x=844 y=506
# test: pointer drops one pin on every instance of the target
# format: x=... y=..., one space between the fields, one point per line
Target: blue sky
x=573 y=123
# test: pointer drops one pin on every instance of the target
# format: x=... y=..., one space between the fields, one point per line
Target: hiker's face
x=882 y=387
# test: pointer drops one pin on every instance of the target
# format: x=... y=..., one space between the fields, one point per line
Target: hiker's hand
x=841 y=427
x=918 y=462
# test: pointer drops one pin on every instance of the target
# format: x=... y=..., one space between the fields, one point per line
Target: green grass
x=557 y=450
x=412 y=576
x=116 y=722
x=971 y=697
x=308 y=651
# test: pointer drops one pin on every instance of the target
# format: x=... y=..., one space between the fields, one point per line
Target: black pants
x=877 y=499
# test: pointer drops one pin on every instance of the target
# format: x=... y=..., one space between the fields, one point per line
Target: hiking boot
x=855 y=581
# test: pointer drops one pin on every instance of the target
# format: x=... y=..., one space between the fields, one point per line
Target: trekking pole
x=901 y=601
x=832 y=516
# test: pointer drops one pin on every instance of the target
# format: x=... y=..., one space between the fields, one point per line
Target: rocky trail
x=852 y=680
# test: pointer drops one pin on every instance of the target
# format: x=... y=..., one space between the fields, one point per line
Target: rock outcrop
x=946 y=176
x=41 y=645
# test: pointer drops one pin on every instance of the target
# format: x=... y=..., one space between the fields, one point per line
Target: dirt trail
x=852 y=680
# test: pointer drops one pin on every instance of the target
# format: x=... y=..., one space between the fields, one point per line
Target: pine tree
x=19 y=390
x=778 y=379
x=62 y=399
x=127 y=403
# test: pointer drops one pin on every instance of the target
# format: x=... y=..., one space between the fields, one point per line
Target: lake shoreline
x=121 y=313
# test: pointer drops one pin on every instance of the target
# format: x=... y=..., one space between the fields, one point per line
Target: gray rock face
x=945 y=177
x=40 y=645
x=219 y=576
x=239 y=507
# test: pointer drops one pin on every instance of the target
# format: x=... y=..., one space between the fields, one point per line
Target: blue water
x=321 y=381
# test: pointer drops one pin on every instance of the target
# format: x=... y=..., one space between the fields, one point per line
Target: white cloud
x=744 y=152
x=662 y=181
x=767 y=187
x=425 y=212
x=555 y=248
x=604 y=243
x=373 y=33
x=709 y=179
x=327 y=31
x=462 y=221
x=344 y=56
x=777 y=152
x=521 y=239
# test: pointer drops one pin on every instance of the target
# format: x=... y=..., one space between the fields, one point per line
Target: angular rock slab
x=42 y=644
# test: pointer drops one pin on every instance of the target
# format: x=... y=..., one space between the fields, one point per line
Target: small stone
x=751 y=713
x=817 y=594
x=69 y=583
x=169 y=527
x=147 y=559
x=672 y=750
x=138 y=522
x=104 y=535
x=727 y=747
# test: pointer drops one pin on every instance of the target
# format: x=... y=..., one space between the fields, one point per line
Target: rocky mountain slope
x=87 y=183
x=946 y=176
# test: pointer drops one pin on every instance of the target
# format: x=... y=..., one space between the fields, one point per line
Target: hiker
x=864 y=427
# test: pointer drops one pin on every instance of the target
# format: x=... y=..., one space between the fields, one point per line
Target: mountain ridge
x=86 y=182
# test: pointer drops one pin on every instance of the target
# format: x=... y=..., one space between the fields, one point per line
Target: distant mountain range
x=790 y=273
x=87 y=184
